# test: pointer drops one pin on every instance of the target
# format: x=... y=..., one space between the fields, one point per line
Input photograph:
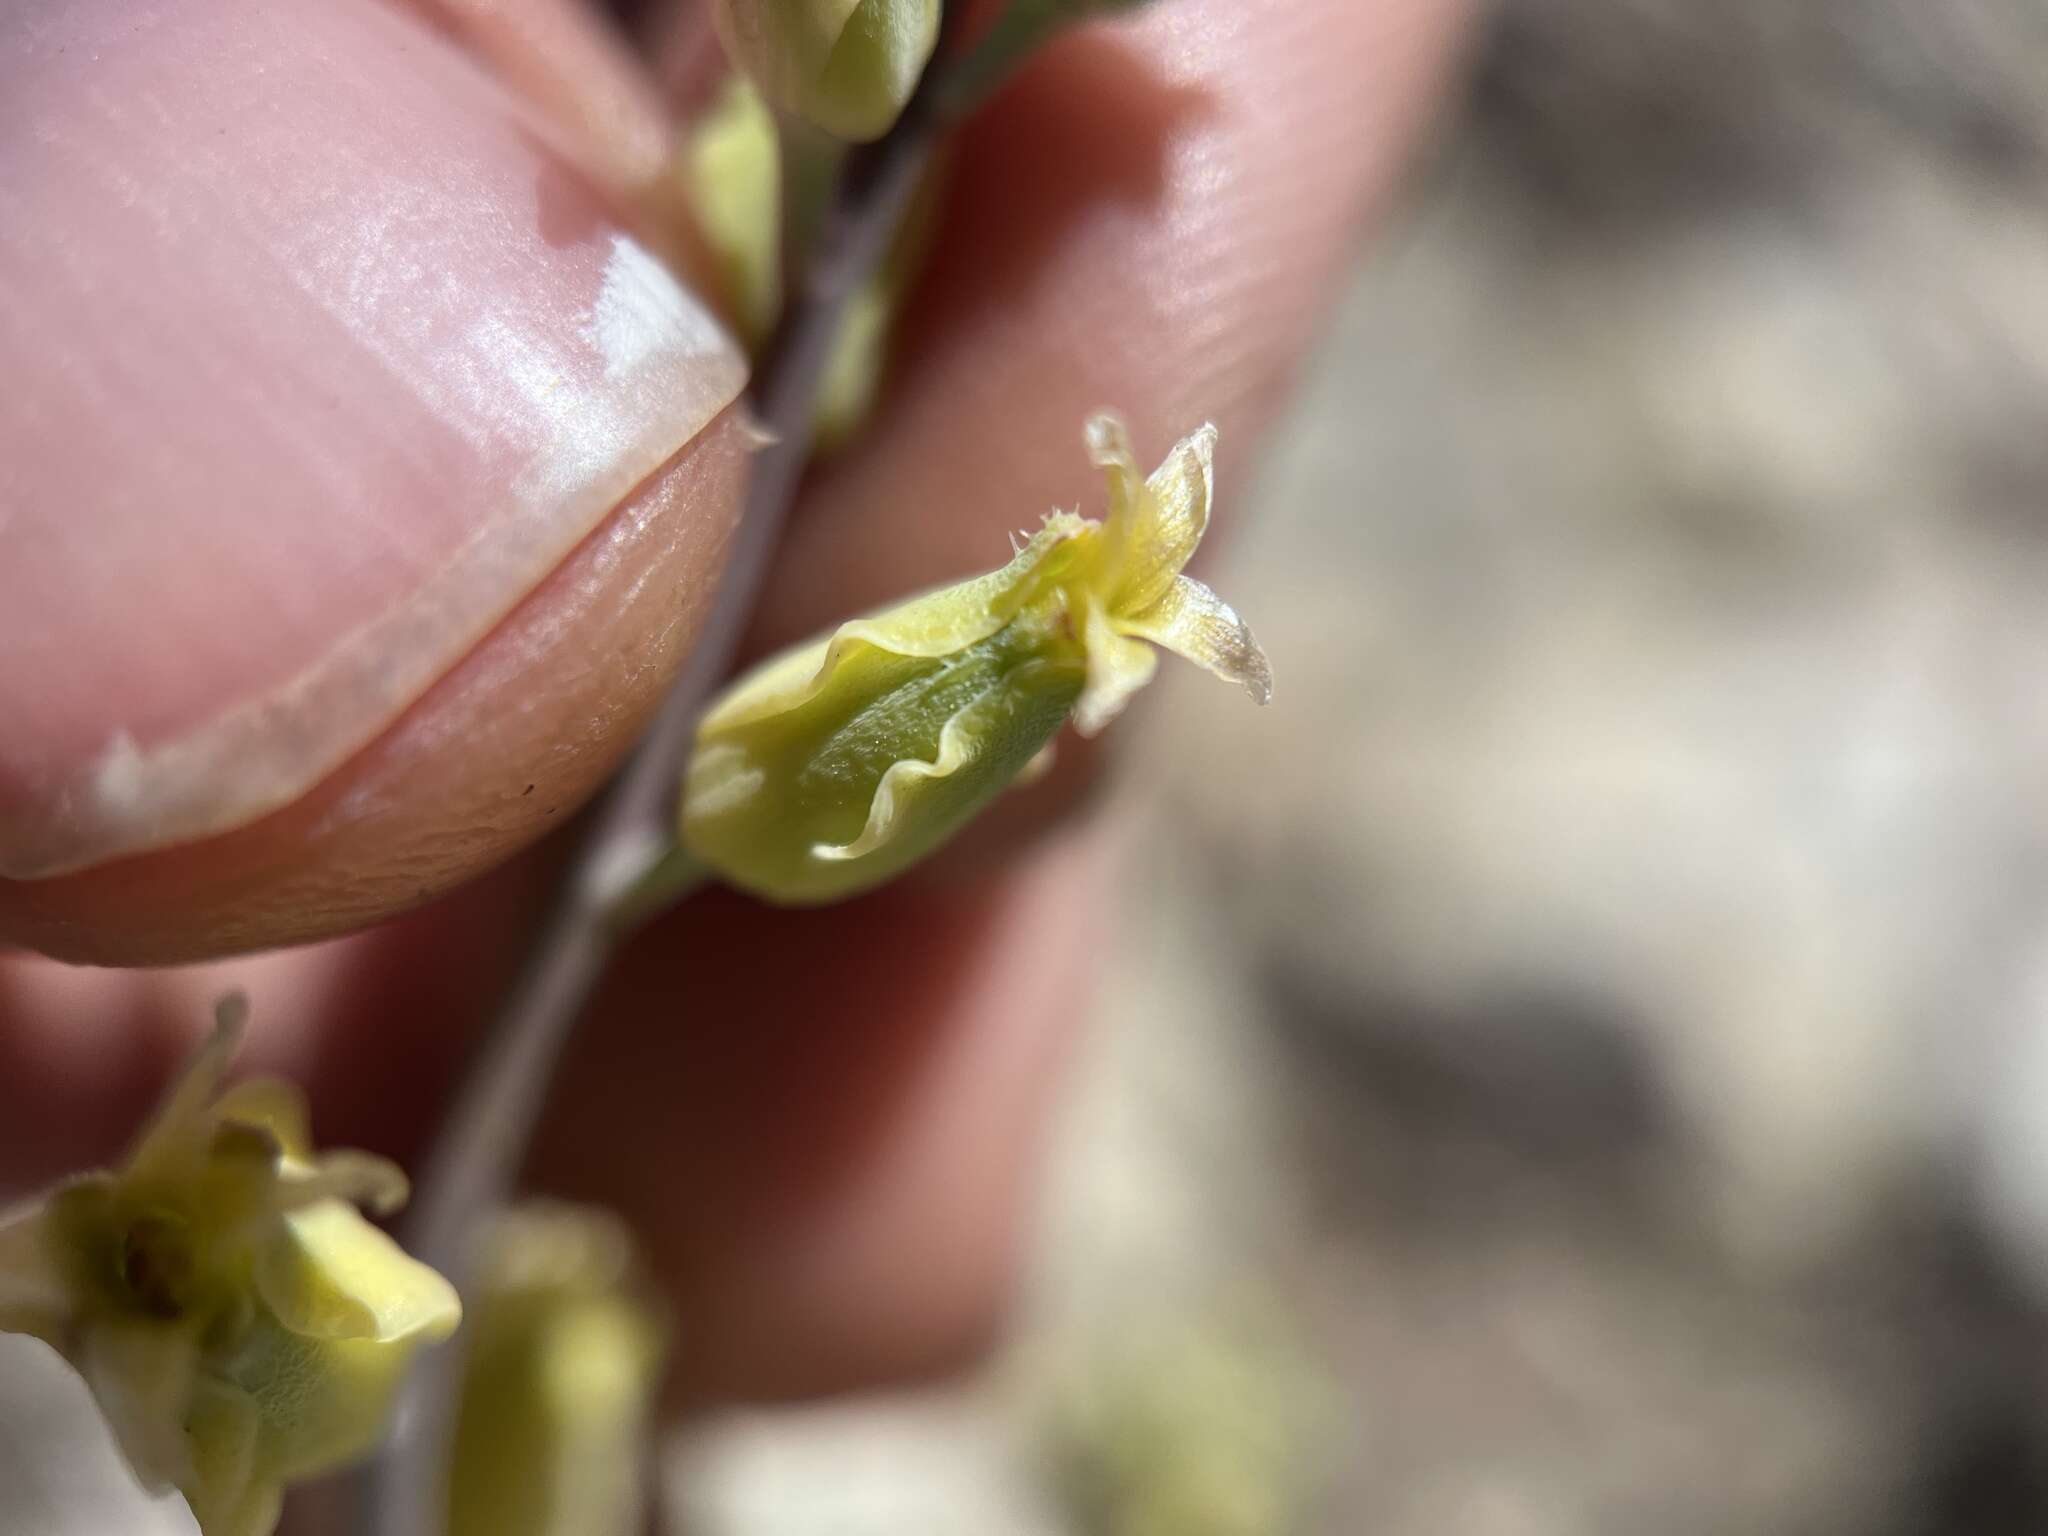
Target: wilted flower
x=239 y=1323
x=836 y=765
x=558 y=1383
x=846 y=65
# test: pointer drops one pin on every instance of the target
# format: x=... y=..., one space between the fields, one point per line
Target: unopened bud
x=846 y=65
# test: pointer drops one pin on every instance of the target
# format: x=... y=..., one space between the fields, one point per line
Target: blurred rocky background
x=1578 y=1064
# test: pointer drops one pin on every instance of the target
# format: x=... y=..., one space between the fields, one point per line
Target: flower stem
x=631 y=849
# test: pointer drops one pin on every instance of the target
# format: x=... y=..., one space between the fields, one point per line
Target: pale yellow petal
x=1153 y=525
x=222 y=1427
x=1192 y=621
x=141 y=1372
x=329 y=1274
x=179 y=1132
x=230 y=1196
x=364 y=1179
x=1117 y=668
x=1173 y=514
x=1109 y=449
x=36 y=1293
x=273 y=1104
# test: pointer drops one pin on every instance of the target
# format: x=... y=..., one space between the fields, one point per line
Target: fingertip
x=499 y=751
x=328 y=363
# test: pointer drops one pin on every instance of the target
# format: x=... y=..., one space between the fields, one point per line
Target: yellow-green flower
x=846 y=65
x=732 y=168
x=838 y=764
x=559 y=1379
x=239 y=1323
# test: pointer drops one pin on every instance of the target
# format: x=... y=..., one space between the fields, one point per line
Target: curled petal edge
x=141 y=1374
x=331 y=1275
x=936 y=623
x=1154 y=524
x=1193 y=622
x=898 y=787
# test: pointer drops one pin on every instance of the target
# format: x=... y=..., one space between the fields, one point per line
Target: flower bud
x=239 y=1323
x=836 y=765
x=732 y=172
x=846 y=65
x=559 y=1381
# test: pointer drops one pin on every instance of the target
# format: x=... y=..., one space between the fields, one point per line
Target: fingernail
x=321 y=360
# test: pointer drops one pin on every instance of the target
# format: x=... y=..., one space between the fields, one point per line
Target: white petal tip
x=1255 y=673
x=1109 y=440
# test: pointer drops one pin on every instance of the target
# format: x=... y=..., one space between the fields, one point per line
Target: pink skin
x=268 y=491
x=412 y=362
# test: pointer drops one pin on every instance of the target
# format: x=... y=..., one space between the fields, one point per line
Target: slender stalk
x=1019 y=31
x=476 y=1158
x=630 y=865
